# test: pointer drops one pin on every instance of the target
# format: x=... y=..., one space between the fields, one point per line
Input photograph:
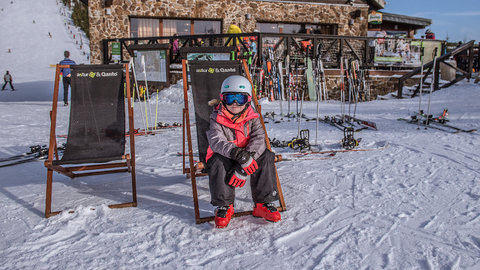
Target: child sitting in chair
x=237 y=149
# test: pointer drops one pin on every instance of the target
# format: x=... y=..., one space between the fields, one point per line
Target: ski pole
x=300 y=116
x=356 y=87
x=323 y=79
x=287 y=73
x=280 y=89
x=316 y=79
x=146 y=90
x=421 y=85
x=133 y=99
x=156 y=112
x=347 y=73
x=319 y=91
x=296 y=86
x=146 y=111
x=432 y=84
x=132 y=63
x=342 y=90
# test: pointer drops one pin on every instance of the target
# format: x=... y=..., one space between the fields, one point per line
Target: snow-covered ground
x=413 y=204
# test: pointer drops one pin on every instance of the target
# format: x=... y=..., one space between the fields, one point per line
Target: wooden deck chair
x=96 y=132
x=207 y=78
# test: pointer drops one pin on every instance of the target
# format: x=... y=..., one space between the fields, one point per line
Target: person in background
x=199 y=42
x=253 y=45
x=429 y=34
x=7 y=78
x=237 y=149
x=66 y=76
x=175 y=45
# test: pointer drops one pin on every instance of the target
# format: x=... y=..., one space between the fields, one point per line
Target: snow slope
x=411 y=205
x=32 y=51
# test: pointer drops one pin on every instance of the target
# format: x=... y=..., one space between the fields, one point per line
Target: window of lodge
x=207 y=27
x=301 y=28
x=144 y=27
x=148 y=27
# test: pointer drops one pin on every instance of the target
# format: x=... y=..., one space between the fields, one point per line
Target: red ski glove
x=245 y=159
x=237 y=179
x=250 y=166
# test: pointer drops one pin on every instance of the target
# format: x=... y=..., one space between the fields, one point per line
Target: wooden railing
x=466 y=72
x=331 y=49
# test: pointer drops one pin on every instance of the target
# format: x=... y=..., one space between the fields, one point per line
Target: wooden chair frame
x=196 y=167
x=127 y=163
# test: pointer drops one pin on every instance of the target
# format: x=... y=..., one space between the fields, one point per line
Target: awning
x=403 y=19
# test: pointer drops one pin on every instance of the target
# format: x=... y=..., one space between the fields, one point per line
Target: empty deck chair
x=96 y=133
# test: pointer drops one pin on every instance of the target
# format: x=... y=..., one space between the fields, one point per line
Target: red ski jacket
x=224 y=134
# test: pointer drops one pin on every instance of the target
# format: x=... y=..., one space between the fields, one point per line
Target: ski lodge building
x=111 y=19
x=338 y=29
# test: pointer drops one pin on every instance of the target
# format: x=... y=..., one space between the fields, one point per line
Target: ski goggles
x=240 y=98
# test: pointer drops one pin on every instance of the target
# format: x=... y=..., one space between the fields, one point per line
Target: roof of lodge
x=377 y=4
x=403 y=19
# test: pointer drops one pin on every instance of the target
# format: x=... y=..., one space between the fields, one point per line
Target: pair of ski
x=270 y=116
x=420 y=120
x=36 y=152
x=365 y=123
x=163 y=125
x=154 y=130
x=326 y=154
x=342 y=123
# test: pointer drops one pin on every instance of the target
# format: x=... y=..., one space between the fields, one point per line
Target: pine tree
x=80 y=16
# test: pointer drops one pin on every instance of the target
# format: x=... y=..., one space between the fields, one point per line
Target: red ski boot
x=267 y=211
x=223 y=214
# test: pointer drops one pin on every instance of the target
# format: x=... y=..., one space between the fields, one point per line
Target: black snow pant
x=5 y=84
x=66 y=84
x=263 y=181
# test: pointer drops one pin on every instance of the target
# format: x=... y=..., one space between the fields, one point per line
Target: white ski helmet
x=236 y=84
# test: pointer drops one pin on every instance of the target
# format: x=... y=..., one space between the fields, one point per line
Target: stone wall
x=117 y=23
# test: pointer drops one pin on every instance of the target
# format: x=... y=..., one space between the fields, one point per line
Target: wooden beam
x=351 y=48
x=189 y=139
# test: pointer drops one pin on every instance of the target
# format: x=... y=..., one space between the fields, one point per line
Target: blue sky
x=459 y=19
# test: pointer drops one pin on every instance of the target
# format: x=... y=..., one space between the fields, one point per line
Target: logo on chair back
x=215 y=70
x=97 y=74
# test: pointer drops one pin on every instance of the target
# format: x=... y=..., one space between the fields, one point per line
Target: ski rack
x=348 y=141
x=302 y=142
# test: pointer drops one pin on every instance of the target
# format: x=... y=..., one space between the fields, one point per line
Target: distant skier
x=7 y=78
x=66 y=76
x=237 y=149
